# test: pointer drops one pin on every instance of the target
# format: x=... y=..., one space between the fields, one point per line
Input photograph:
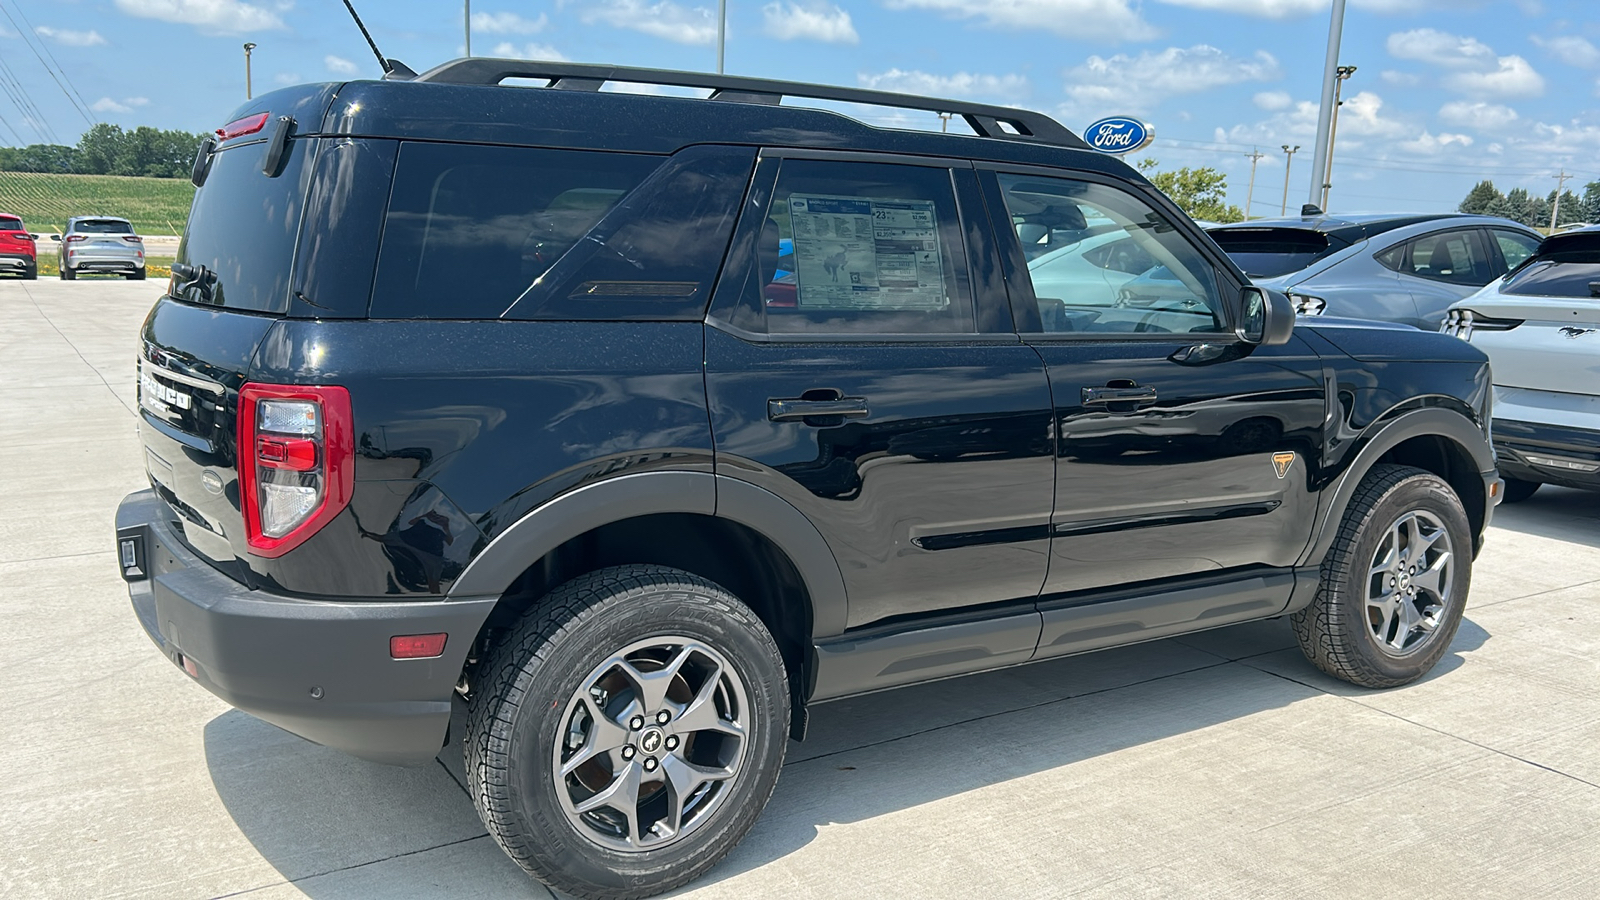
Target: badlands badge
x=1282 y=461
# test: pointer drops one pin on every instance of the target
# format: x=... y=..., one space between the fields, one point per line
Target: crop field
x=153 y=205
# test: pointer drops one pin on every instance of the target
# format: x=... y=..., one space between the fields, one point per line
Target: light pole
x=1330 y=77
x=1255 y=155
x=247 y=48
x=722 y=31
x=466 y=17
x=1288 y=160
x=1344 y=73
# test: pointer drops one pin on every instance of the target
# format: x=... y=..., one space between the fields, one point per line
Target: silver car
x=1540 y=326
x=1405 y=269
x=100 y=244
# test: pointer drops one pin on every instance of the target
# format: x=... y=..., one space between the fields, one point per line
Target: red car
x=17 y=254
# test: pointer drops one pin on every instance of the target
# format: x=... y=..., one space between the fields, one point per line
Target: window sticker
x=869 y=254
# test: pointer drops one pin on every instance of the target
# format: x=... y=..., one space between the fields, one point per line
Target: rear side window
x=11 y=223
x=1271 y=252
x=102 y=226
x=469 y=229
x=242 y=229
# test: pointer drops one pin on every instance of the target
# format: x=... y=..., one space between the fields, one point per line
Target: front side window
x=1514 y=246
x=861 y=248
x=1113 y=263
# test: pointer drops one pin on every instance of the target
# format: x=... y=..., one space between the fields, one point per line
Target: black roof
x=1351 y=228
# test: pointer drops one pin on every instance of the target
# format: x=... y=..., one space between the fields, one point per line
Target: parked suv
x=490 y=406
x=18 y=254
x=103 y=245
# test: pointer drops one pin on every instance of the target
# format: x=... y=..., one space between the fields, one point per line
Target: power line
x=24 y=103
x=77 y=101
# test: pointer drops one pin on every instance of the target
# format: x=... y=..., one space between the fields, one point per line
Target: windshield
x=102 y=226
x=1271 y=252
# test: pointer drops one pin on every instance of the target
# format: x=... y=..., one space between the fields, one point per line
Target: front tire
x=1394 y=583
x=627 y=732
x=1517 y=490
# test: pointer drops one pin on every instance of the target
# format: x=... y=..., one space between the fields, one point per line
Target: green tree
x=1571 y=209
x=38 y=158
x=1201 y=192
x=1591 y=202
x=1481 y=199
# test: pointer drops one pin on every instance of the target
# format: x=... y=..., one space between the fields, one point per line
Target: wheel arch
x=740 y=536
x=1437 y=439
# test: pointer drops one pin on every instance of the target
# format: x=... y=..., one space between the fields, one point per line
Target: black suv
x=629 y=427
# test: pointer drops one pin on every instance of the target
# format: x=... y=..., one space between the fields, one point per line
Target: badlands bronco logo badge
x=1282 y=461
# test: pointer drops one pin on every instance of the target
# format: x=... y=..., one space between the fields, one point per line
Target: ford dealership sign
x=1118 y=134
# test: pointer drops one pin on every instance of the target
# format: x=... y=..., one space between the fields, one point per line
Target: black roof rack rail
x=985 y=120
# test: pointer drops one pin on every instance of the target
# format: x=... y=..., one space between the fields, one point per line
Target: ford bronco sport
x=633 y=427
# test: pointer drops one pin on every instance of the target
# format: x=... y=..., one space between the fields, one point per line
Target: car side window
x=1450 y=256
x=862 y=248
x=1514 y=246
x=1101 y=259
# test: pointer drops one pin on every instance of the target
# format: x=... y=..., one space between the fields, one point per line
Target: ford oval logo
x=1118 y=134
x=211 y=481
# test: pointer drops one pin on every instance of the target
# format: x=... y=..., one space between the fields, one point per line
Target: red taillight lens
x=133 y=239
x=72 y=238
x=417 y=646
x=244 y=126
x=296 y=462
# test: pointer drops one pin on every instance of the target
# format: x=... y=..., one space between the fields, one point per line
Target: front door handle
x=841 y=407
x=1105 y=396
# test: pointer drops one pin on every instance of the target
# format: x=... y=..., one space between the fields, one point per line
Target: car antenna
x=393 y=69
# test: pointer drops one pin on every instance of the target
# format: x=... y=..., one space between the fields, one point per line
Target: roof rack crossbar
x=986 y=120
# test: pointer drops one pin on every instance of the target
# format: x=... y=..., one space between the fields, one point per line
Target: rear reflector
x=299 y=454
x=244 y=126
x=417 y=646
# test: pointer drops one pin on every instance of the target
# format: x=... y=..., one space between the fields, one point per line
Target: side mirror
x=56 y=238
x=1266 y=318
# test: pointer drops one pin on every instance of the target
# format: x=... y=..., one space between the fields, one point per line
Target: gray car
x=1407 y=269
x=100 y=244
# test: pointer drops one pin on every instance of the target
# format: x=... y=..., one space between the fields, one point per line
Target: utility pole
x=1288 y=160
x=247 y=48
x=466 y=16
x=1344 y=73
x=1555 y=208
x=1330 y=77
x=722 y=32
x=1255 y=155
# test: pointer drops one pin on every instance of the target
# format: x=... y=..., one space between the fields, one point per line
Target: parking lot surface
x=1216 y=765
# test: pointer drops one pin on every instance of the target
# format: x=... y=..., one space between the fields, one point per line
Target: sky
x=1446 y=92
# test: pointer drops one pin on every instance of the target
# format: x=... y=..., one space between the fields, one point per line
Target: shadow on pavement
x=1562 y=514
x=311 y=811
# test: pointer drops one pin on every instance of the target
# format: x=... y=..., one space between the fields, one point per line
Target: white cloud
x=1086 y=20
x=1269 y=9
x=1273 y=100
x=812 y=21
x=1513 y=77
x=1005 y=88
x=1429 y=144
x=1400 y=79
x=127 y=105
x=663 y=19
x=339 y=65
x=1125 y=83
x=288 y=78
x=209 y=16
x=89 y=38
x=1477 y=115
x=508 y=23
x=544 y=52
x=1570 y=49
x=1363 y=114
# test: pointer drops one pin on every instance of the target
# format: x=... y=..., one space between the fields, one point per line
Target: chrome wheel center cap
x=651 y=740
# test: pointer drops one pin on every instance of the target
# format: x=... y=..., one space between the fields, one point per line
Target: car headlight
x=1307 y=305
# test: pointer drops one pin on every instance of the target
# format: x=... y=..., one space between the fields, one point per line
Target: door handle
x=842 y=407
x=1105 y=396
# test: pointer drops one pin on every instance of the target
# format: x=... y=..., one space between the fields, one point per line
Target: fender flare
x=1436 y=421
x=563 y=518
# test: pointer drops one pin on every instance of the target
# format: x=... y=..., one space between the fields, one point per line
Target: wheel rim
x=1409 y=583
x=651 y=743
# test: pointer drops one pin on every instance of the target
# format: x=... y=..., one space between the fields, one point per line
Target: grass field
x=153 y=205
x=154 y=267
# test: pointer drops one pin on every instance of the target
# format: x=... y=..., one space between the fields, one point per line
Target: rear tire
x=1517 y=490
x=606 y=784
x=67 y=274
x=1393 y=584
x=31 y=273
x=137 y=275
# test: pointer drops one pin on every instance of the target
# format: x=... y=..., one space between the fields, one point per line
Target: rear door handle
x=1105 y=396
x=789 y=410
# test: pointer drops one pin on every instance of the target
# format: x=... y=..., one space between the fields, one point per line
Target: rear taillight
x=244 y=126
x=133 y=239
x=73 y=238
x=296 y=462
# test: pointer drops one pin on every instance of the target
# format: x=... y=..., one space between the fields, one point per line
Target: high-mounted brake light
x=244 y=126
x=296 y=462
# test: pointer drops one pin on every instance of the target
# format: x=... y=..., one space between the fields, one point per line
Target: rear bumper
x=319 y=669
x=1552 y=454
x=16 y=262
x=85 y=263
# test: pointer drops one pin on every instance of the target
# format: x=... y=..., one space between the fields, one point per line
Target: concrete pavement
x=1219 y=765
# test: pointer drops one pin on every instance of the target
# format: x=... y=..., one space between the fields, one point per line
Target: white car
x=1540 y=325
